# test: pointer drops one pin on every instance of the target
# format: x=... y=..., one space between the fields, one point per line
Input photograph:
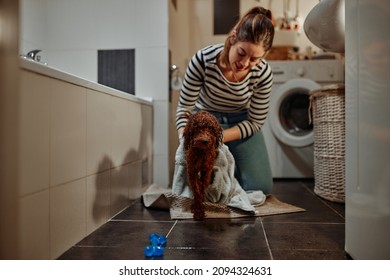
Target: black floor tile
x=317 y=233
x=117 y=240
x=299 y=193
x=218 y=239
x=300 y=254
x=137 y=211
x=292 y=236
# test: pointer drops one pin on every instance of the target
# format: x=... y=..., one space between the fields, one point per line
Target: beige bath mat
x=161 y=198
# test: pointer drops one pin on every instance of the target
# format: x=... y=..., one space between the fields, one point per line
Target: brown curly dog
x=202 y=137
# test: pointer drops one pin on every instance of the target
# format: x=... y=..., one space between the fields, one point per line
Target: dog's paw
x=199 y=217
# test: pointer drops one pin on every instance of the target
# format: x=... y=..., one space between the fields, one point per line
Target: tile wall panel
x=35 y=133
x=67 y=132
x=121 y=132
x=98 y=200
x=67 y=216
x=34 y=226
x=99 y=130
x=119 y=188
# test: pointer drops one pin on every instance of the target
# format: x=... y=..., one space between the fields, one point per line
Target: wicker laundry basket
x=327 y=106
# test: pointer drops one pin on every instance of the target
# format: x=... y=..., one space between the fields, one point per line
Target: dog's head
x=202 y=131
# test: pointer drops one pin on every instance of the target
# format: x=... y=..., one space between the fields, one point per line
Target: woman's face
x=244 y=55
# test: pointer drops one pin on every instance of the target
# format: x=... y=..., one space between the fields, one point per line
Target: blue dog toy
x=156 y=247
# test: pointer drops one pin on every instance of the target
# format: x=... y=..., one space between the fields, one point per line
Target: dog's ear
x=187 y=131
x=220 y=133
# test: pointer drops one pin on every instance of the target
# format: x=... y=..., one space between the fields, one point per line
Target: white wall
x=201 y=21
x=191 y=25
x=70 y=33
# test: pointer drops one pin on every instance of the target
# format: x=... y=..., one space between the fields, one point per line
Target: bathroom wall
x=195 y=18
x=71 y=32
x=83 y=154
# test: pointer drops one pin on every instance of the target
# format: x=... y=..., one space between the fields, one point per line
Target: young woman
x=233 y=82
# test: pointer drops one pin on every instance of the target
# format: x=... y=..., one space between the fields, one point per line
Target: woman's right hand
x=180 y=132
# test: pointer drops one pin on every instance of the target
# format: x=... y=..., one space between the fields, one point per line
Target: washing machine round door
x=289 y=112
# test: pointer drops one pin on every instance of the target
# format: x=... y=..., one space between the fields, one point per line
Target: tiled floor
x=317 y=233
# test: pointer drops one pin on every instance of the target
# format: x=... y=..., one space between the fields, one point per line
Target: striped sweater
x=205 y=88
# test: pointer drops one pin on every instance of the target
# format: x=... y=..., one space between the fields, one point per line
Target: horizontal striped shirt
x=205 y=88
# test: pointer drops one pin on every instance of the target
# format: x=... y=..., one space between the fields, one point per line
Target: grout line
x=169 y=232
x=266 y=239
x=307 y=223
x=139 y=221
x=124 y=209
x=322 y=200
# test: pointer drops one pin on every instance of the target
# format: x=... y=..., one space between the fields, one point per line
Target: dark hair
x=255 y=27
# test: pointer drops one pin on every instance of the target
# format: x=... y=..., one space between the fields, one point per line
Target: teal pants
x=253 y=170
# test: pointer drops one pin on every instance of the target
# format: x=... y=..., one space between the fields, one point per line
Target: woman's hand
x=180 y=132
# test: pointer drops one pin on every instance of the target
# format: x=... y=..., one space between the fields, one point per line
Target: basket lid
x=329 y=89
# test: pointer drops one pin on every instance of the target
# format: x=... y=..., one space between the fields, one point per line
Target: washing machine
x=288 y=131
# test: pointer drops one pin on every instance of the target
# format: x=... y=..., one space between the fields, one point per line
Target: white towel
x=224 y=189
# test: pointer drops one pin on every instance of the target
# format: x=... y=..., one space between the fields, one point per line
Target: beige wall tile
x=67 y=216
x=67 y=133
x=147 y=171
x=98 y=132
x=135 y=183
x=121 y=133
x=98 y=200
x=135 y=141
x=34 y=133
x=120 y=183
x=146 y=144
x=34 y=227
